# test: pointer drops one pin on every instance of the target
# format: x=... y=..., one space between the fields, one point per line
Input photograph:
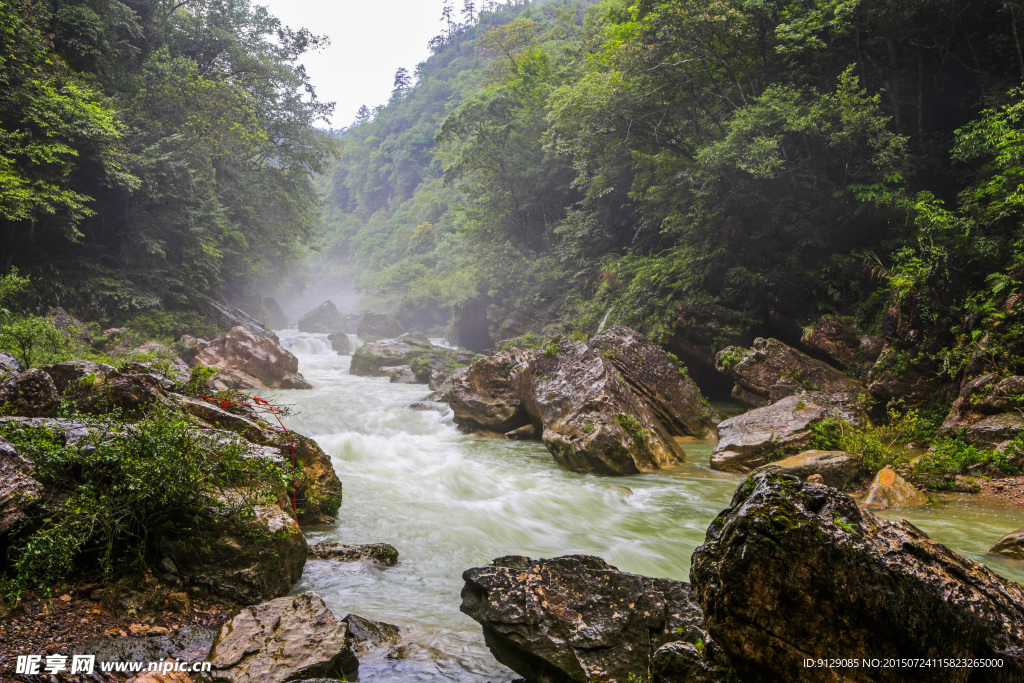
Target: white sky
x=370 y=39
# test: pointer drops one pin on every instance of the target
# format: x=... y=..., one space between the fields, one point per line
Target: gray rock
x=380 y=553
x=379 y=326
x=366 y=636
x=99 y=388
x=577 y=618
x=324 y=319
x=18 y=488
x=890 y=490
x=793 y=571
x=286 y=639
x=1010 y=545
x=755 y=438
x=834 y=468
x=29 y=394
x=340 y=343
x=9 y=365
x=993 y=430
x=259 y=357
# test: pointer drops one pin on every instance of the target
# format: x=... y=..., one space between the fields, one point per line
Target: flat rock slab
x=836 y=468
x=757 y=437
x=286 y=639
x=381 y=553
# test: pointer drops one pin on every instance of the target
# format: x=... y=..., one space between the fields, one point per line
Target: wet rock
x=340 y=343
x=70 y=432
x=18 y=488
x=1010 y=545
x=890 y=490
x=833 y=468
x=379 y=326
x=29 y=394
x=755 y=438
x=591 y=419
x=577 y=618
x=365 y=635
x=793 y=571
x=186 y=644
x=318 y=490
x=987 y=410
x=226 y=379
x=483 y=397
x=524 y=433
x=683 y=662
x=228 y=318
x=381 y=553
x=383 y=357
x=770 y=363
x=913 y=384
x=257 y=356
x=835 y=341
x=9 y=365
x=99 y=388
x=434 y=369
x=324 y=319
x=68 y=324
x=156 y=357
x=402 y=374
x=415 y=337
x=287 y=639
x=243 y=565
x=273 y=315
x=659 y=381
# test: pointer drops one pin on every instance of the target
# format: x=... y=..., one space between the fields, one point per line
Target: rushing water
x=449 y=501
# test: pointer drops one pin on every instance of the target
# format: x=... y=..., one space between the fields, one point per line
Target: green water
x=449 y=502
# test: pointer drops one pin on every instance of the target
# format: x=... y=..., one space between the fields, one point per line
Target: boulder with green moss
x=793 y=571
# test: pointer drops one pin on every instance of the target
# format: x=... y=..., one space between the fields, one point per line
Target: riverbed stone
x=757 y=437
x=259 y=356
x=366 y=636
x=484 y=397
x=379 y=326
x=29 y=394
x=793 y=571
x=324 y=319
x=890 y=490
x=340 y=342
x=370 y=359
x=379 y=553
x=833 y=468
x=659 y=380
x=1010 y=545
x=770 y=365
x=18 y=488
x=287 y=639
x=577 y=618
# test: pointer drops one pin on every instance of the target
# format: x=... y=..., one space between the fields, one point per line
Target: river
x=449 y=501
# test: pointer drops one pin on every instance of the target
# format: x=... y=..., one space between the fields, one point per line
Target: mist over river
x=449 y=502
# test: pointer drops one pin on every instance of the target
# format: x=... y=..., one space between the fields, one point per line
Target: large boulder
x=244 y=565
x=99 y=388
x=770 y=370
x=484 y=397
x=383 y=554
x=288 y=639
x=340 y=343
x=987 y=410
x=258 y=356
x=323 y=319
x=793 y=571
x=757 y=437
x=227 y=318
x=18 y=488
x=68 y=324
x=9 y=365
x=379 y=326
x=1010 y=545
x=836 y=468
x=659 y=381
x=589 y=417
x=272 y=315
x=834 y=340
x=29 y=394
x=890 y=490
x=578 y=618
x=407 y=360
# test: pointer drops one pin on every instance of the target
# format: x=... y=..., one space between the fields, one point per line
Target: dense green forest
x=152 y=150
x=717 y=169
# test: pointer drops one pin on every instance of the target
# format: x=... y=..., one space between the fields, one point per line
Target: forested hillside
x=152 y=150
x=703 y=170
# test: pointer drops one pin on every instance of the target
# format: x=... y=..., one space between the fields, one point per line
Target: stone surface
x=9 y=365
x=324 y=319
x=834 y=340
x=483 y=397
x=369 y=358
x=157 y=357
x=793 y=571
x=68 y=324
x=29 y=394
x=365 y=635
x=577 y=618
x=272 y=314
x=260 y=357
x=287 y=639
x=659 y=381
x=244 y=566
x=99 y=388
x=833 y=468
x=228 y=318
x=890 y=490
x=1010 y=545
x=770 y=363
x=988 y=410
x=380 y=553
x=757 y=437
x=340 y=343
x=379 y=326
x=591 y=420
x=18 y=488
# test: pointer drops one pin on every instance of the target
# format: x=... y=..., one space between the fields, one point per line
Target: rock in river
x=793 y=571
x=483 y=397
x=287 y=639
x=1010 y=545
x=323 y=319
x=379 y=326
x=890 y=490
x=755 y=438
x=835 y=468
x=258 y=356
x=577 y=618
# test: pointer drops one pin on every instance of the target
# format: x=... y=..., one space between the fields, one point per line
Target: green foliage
x=937 y=469
x=160 y=325
x=879 y=446
x=135 y=483
x=526 y=341
x=34 y=340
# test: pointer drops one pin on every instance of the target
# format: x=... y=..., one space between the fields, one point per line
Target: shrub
x=938 y=468
x=34 y=340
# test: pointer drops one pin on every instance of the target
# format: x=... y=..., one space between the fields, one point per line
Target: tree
x=363 y=115
x=402 y=82
x=469 y=12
